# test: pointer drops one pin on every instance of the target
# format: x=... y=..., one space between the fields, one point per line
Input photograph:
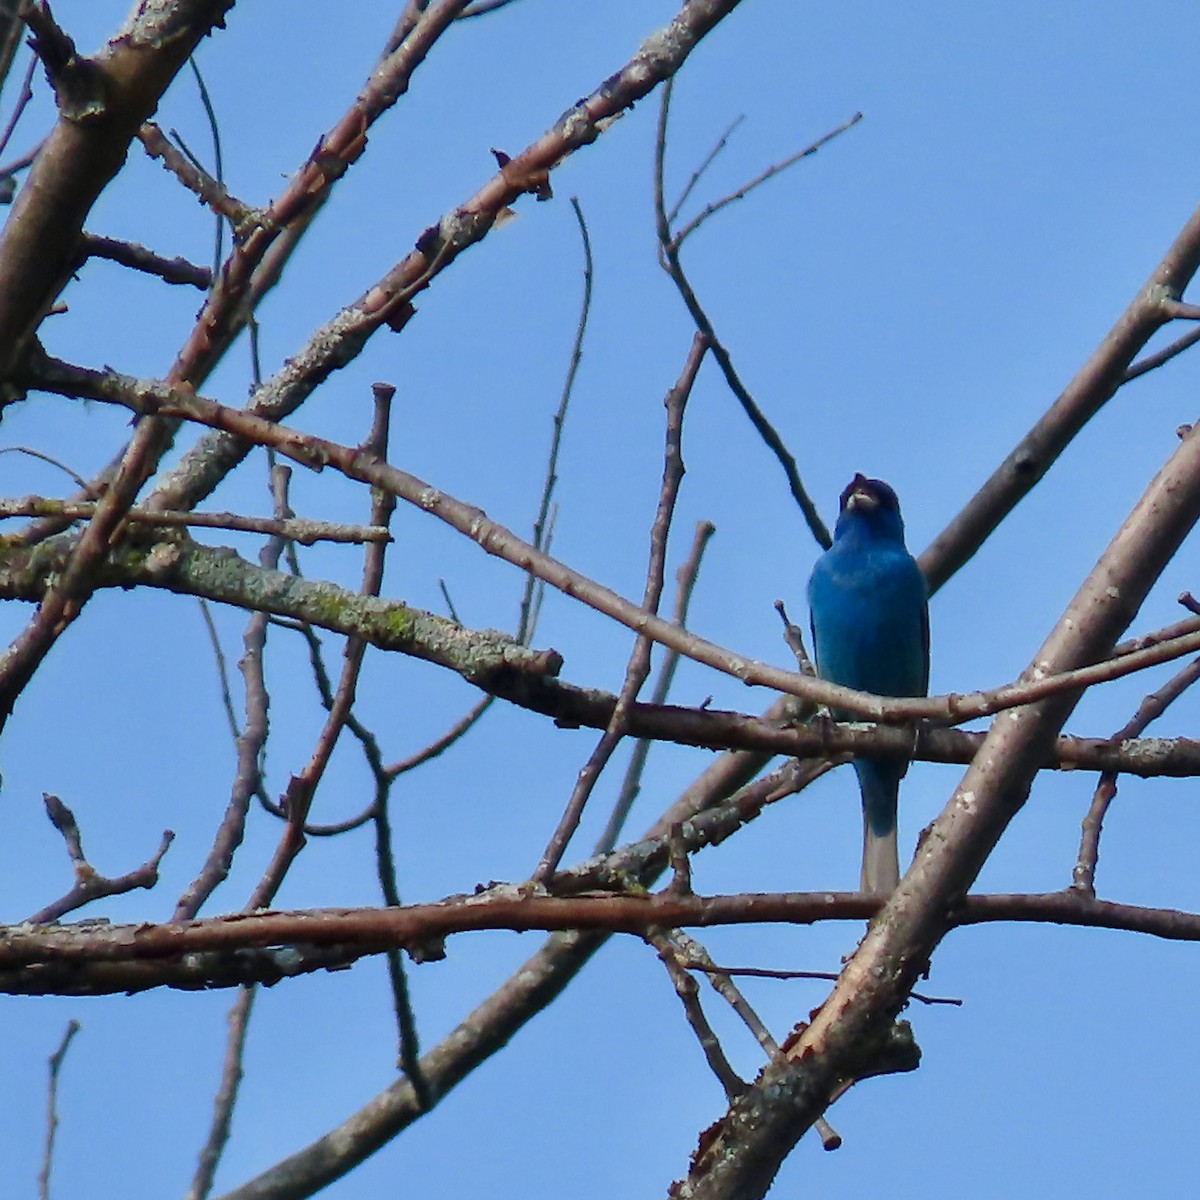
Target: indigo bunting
x=870 y=625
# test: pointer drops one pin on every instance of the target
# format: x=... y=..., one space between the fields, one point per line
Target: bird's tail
x=879 y=782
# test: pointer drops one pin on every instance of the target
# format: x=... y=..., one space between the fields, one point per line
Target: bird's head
x=870 y=504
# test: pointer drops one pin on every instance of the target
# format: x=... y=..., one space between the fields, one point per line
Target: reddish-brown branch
x=315 y=452
x=40 y=238
x=365 y=931
x=389 y=300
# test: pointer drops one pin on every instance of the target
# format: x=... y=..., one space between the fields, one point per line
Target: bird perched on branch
x=870 y=626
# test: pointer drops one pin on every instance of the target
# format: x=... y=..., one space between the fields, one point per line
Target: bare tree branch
x=310 y=450
x=56 y=1062
x=669 y=256
x=853 y=1024
x=1095 y=384
x=357 y=932
x=639 y=661
x=226 y=1097
x=304 y=530
x=38 y=243
x=89 y=883
x=389 y=301
x=247 y=780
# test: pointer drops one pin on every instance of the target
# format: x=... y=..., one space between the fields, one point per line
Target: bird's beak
x=861 y=500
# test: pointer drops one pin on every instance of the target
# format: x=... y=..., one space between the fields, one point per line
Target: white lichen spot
x=163 y=558
x=1113 y=593
x=576 y=123
x=429 y=497
x=966 y=801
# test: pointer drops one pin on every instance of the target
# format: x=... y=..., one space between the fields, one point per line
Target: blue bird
x=870 y=624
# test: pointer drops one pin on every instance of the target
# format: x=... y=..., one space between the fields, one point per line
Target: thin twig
x=451 y=611
x=1083 y=877
x=56 y=1062
x=828 y=976
x=240 y=215
x=383 y=505
x=20 y=163
x=794 y=636
x=669 y=259
x=1158 y=357
x=299 y=529
x=631 y=782
x=222 y=668
x=699 y=172
x=65 y=597
x=247 y=780
x=694 y=956
x=366 y=739
x=639 y=661
x=78 y=479
x=1096 y=382
x=689 y=995
x=218 y=161
x=89 y=883
x=525 y=622
x=23 y=99
x=682 y=234
x=298 y=798
x=11 y=30
x=443 y=743
x=139 y=258
x=226 y=1095
x=477 y=8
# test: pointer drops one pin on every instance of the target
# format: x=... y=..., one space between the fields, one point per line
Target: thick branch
x=762 y=1126
x=153 y=398
x=525 y=677
x=222 y=575
x=1098 y=379
x=226 y=951
x=40 y=240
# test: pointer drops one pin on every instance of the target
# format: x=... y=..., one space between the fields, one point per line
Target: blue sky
x=905 y=303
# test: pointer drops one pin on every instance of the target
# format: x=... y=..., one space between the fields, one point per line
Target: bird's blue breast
x=867 y=601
